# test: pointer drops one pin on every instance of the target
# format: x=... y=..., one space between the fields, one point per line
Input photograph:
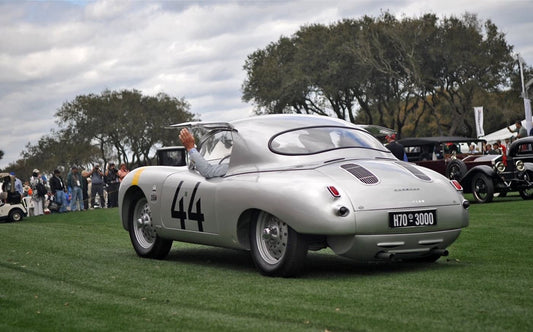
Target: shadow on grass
x=318 y=264
x=510 y=197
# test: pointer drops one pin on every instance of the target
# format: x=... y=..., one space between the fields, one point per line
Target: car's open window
x=320 y=139
x=217 y=145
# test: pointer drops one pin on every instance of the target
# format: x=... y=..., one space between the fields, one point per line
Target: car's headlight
x=500 y=167
x=520 y=166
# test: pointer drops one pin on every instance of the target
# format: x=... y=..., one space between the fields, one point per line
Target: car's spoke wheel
x=527 y=193
x=143 y=236
x=277 y=250
x=482 y=188
x=456 y=169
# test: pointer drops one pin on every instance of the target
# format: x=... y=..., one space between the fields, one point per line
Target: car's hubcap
x=480 y=190
x=271 y=235
x=144 y=231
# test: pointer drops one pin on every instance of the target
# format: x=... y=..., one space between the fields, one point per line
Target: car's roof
x=251 y=142
x=436 y=139
x=513 y=148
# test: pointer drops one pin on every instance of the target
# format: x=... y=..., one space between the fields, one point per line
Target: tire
x=15 y=215
x=277 y=250
x=482 y=188
x=527 y=193
x=456 y=169
x=143 y=235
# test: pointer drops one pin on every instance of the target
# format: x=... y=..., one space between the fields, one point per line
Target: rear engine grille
x=415 y=171
x=361 y=173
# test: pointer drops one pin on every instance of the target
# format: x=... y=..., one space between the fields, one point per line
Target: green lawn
x=78 y=271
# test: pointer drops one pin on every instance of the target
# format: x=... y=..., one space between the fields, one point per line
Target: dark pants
x=98 y=189
x=112 y=194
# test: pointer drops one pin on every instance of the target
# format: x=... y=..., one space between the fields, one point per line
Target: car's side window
x=217 y=146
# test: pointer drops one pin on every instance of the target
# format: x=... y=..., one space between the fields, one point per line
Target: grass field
x=78 y=272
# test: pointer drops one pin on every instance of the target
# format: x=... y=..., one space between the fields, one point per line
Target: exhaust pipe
x=386 y=256
x=440 y=252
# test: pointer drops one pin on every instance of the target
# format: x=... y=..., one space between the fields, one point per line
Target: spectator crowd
x=79 y=190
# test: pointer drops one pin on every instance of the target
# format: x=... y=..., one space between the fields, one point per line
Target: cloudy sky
x=53 y=51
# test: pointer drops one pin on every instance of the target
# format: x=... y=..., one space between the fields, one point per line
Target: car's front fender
x=466 y=181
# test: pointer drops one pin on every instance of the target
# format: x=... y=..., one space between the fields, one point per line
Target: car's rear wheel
x=277 y=250
x=527 y=193
x=15 y=215
x=455 y=169
x=143 y=235
x=482 y=188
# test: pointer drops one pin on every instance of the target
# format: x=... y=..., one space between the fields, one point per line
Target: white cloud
x=53 y=51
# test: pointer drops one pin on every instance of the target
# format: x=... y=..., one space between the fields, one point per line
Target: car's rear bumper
x=366 y=248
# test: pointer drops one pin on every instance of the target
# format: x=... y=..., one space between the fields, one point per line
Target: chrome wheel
x=143 y=234
x=277 y=250
x=142 y=226
x=271 y=237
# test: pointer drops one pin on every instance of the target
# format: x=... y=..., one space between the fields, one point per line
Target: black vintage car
x=513 y=172
x=481 y=175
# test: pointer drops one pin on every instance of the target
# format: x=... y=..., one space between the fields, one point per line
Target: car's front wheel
x=15 y=215
x=527 y=193
x=482 y=188
x=143 y=236
x=277 y=249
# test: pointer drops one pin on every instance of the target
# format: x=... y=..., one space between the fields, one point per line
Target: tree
x=125 y=125
x=122 y=126
x=413 y=74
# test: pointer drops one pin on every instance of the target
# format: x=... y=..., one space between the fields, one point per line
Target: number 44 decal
x=189 y=215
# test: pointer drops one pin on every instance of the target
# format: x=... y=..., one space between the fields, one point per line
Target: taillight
x=333 y=191
x=457 y=185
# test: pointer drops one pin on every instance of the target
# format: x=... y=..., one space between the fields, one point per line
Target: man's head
x=518 y=124
x=390 y=138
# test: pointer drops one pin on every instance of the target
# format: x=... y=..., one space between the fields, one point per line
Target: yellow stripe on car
x=136 y=176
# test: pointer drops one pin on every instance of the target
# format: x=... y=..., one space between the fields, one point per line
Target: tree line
x=120 y=126
x=419 y=76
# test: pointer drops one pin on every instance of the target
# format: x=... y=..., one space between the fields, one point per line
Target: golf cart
x=12 y=207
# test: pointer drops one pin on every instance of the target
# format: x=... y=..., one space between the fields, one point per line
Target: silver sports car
x=294 y=183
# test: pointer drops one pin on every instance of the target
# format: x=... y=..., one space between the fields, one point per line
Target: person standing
x=74 y=182
x=522 y=132
x=18 y=185
x=37 y=197
x=85 y=189
x=97 y=185
x=396 y=148
x=112 y=181
x=57 y=187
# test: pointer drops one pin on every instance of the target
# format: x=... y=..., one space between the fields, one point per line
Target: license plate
x=412 y=218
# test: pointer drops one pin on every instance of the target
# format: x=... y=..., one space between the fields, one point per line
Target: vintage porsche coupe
x=294 y=183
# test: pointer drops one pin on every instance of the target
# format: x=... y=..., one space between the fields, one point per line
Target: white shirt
x=204 y=167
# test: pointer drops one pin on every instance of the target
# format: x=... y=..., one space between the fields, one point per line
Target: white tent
x=502 y=134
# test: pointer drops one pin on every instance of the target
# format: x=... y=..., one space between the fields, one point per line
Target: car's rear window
x=320 y=139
